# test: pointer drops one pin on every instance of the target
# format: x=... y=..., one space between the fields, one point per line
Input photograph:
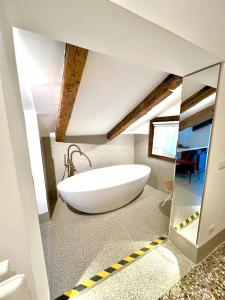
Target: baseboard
x=193 y=252
x=43 y=218
x=186 y=247
x=213 y=243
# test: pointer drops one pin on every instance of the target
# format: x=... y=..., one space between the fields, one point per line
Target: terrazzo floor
x=77 y=246
x=205 y=281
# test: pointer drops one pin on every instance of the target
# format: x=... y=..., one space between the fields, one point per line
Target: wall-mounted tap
x=68 y=160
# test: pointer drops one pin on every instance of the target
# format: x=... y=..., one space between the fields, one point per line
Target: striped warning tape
x=93 y=281
x=186 y=222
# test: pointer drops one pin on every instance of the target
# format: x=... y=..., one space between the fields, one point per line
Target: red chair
x=188 y=163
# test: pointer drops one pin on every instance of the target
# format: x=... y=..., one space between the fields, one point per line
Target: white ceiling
x=102 y=26
x=169 y=107
x=40 y=64
x=190 y=87
x=208 y=76
x=43 y=60
x=210 y=100
x=201 y=22
x=194 y=83
x=131 y=47
x=110 y=88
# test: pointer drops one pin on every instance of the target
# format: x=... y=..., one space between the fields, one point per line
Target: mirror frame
x=151 y=136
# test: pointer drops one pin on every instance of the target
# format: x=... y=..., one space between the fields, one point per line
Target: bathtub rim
x=106 y=187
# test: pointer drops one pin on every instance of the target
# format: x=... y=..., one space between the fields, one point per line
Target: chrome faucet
x=72 y=145
x=81 y=153
x=68 y=161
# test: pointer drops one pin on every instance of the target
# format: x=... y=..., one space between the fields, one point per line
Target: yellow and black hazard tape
x=93 y=281
x=186 y=222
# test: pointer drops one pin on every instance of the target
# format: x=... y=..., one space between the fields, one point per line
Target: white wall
x=213 y=207
x=101 y=152
x=24 y=73
x=162 y=170
x=19 y=227
x=195 y=138
x=35 y=154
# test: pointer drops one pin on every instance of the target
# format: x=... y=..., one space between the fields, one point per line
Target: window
x=163 y=134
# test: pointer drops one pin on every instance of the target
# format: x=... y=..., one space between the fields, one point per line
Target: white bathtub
x=104 y=189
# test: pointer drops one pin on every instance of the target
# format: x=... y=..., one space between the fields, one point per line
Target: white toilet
x=13 y=288
x=4 y=269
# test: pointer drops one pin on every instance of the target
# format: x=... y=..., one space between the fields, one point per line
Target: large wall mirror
x=196 y=121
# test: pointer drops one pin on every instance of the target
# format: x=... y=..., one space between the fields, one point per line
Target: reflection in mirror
x=197 y=108
x=163 y=133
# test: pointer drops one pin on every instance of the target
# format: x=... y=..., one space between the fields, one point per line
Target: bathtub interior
x=104 y=178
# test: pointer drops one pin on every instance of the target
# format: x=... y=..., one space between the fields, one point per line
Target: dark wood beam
x=197 y=97
x=199 y=117
x=155 y=97
x=75 y=59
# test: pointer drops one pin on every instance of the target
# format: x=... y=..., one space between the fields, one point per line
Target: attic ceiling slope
x=110 y=88
x=199 y=117
x=200 y=22
x=91 y=25
x=196 y=98
x=156 y=96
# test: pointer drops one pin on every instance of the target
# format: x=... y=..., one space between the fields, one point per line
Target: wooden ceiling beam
x=75 y=59
x=199 y=117
x=197 y=97
x=162 y=91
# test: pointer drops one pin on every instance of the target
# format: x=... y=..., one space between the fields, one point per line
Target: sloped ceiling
x=102 y=26
x=169 y=107
x=142 y=52
x=43 y=60
x=109 y=89
x=194 y=83
x=201 y=22
x=40 y=64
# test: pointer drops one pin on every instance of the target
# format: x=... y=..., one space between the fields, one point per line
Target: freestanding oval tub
x=104 y=189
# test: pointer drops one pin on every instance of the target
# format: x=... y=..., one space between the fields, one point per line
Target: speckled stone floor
x=78 y=246
x=206 y=281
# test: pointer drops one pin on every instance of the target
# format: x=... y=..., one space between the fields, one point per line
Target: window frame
x=151 y=136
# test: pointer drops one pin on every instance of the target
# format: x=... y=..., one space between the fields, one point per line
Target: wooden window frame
x=151 y=136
